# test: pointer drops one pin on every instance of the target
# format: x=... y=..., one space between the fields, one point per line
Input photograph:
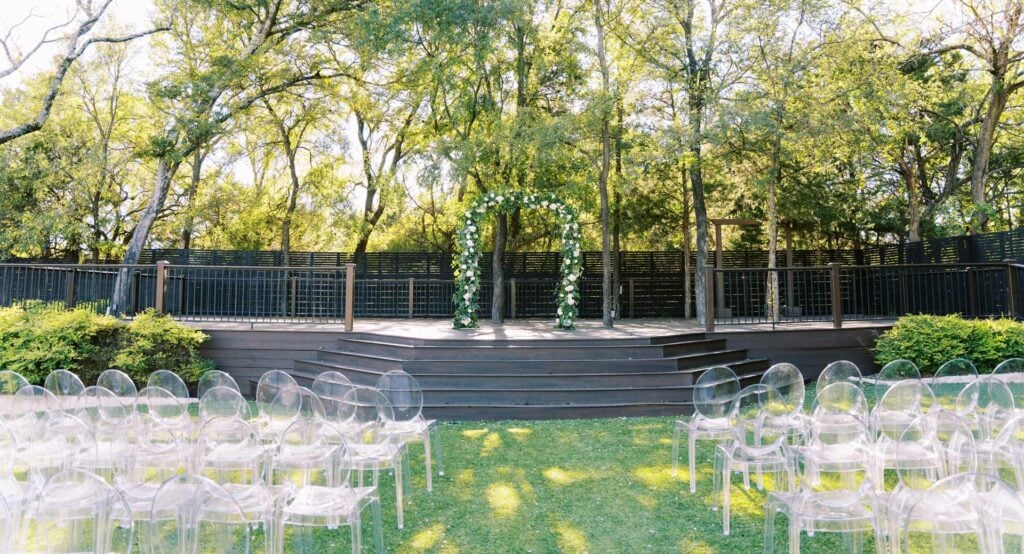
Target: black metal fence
x=858 y=293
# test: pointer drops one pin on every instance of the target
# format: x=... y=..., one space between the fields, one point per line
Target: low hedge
x=931 y=340
x=38 y=338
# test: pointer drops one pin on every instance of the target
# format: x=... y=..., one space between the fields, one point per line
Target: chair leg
x=436 y=447
x=769 y=528
x=406 y=471
x=675 y=452
x=357 y=534
x=692 y=439
x=378 y=532
x=426 y=458
x=794 y=535
x=726 y=497
x=398 y=494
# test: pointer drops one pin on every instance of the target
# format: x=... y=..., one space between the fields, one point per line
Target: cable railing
x=840 y=293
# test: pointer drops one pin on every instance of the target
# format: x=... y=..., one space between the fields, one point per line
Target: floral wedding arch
x=467 y=263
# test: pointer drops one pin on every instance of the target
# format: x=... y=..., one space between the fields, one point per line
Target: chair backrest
x=403 y=394
x=232 y=434
x=311 y=407
x=713 y=392
x=169 y=381
x=285 y=407
x=307 y=456
x=35 y=401
x=223 y=402
x=331 y=387
x=959 y=448
x=987 y=403
x=750 y=408
x=119 y=383
x=77 y=511
x=1006 y=456
x=66 y=386
x=788 y=382
x=901 y=404
x=367 y=405
x=950 y=379
x=215 y=378
x=839 y=372
x=10 y=383
x=1010 y=366
x=840 y=415
x=978 y=503
x=892 y=372
x=163 y=406
x=193 y=514
x=101 y=408
x=270 y=385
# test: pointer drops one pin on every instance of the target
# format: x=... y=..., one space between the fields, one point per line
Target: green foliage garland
x=467 y=263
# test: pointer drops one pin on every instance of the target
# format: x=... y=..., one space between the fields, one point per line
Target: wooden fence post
x=70 y=292
x=837 y=296
x=709 y=298
x=412 y=295
x=161 y=280
x=1012 y=289
x=350 y=293
x=512 y=297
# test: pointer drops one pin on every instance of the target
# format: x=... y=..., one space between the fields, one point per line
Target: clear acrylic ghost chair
x=835 y=494
x=752 y=446
x=842 y=371
x=902 y=405
x=787 y=380
x=77 y=511
x=14 y=494
x=891 y=373
x=192 y=514
x=405 y=401
x=10 y=520
x=110 y=422
x=1005 y=457
x=10 y=383
x=167 y=408
x=950 y=379
x=331 y=387
x=159 y=451
x=934 y=447
x=229 y=449
x=270 y=384
x=372 y=448
x=119 y=383
x=1011 y=373
x=170 y=382
x=319 y=471
x=215 y=378
x=29 y=408
x=986 y=404
x=964 y=512
x=712 y=397
x=48 y=439
x=223 y=402
x=66 y=386
x=279 y=412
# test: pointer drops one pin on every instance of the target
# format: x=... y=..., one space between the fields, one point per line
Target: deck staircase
x=538 y=378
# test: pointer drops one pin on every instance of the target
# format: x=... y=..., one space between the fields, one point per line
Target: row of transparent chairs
x=366 y=418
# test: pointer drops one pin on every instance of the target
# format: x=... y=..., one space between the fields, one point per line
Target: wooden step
x=520 y=352
x=558 y=338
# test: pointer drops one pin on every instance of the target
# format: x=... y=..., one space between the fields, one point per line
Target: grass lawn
x=573 y=486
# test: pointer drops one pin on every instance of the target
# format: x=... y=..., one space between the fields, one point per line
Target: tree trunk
x=687 y=242
x=914 y=198
x=293 y=195
x=983 y=151
x=193 y=188
x=700 y=212
x=617 y=217
x=774 y=180
x=165 y=171
x=606 y=147
x=498 y=270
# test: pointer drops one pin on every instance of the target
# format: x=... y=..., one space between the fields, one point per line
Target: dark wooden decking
x=525 y=369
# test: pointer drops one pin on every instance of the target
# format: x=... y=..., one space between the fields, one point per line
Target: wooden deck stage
x=528 y=369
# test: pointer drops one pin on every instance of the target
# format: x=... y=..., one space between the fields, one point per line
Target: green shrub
x=930 y=340
x=37 y=339
x=153 y=341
